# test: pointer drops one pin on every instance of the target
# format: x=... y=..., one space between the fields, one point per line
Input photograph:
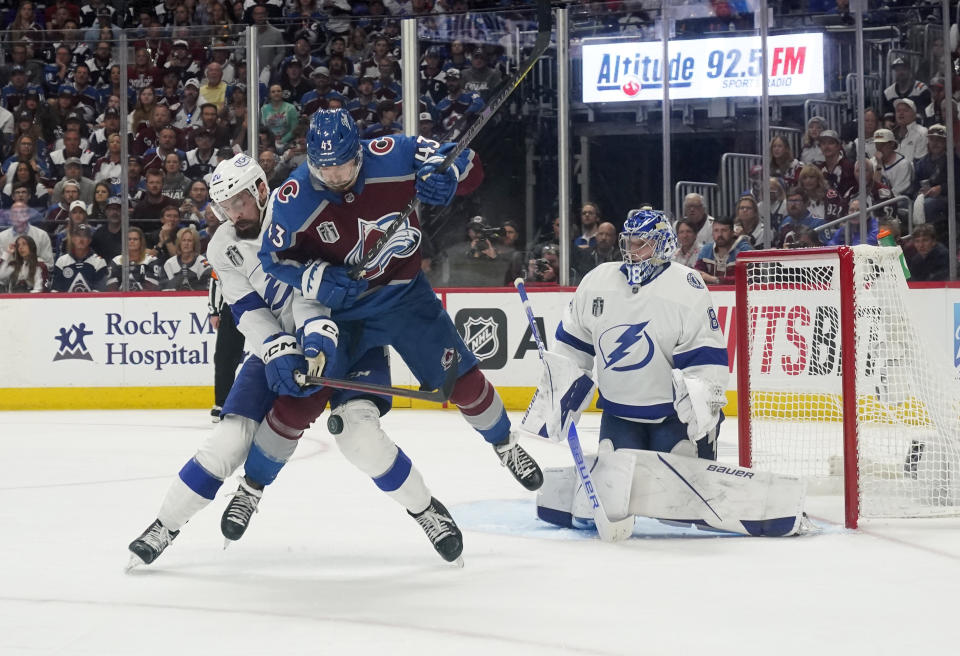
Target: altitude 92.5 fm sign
x=702 y=68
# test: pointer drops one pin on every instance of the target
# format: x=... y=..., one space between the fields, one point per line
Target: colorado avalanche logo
x=403 y=243
x=382 y=146
x=628 y=344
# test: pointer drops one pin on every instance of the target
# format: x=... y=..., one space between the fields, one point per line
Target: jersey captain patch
x=626 y=347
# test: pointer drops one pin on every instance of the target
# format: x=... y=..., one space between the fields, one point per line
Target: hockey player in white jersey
x=266 y=411
x=649 y=327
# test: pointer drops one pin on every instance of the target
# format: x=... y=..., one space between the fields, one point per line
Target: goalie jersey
x=637 y=334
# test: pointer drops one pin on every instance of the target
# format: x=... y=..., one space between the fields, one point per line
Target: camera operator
x=476 y=262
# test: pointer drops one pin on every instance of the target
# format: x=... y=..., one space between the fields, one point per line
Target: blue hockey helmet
x=334 y=152
x=647 y=243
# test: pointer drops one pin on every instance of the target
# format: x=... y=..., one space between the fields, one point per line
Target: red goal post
x=836 y=383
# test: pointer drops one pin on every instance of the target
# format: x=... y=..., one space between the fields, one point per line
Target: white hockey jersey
x=637 y=334
x=261 y=305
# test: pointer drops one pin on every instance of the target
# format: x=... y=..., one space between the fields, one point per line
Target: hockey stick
x=609 y=531
x=437 y=396
x=497 y=98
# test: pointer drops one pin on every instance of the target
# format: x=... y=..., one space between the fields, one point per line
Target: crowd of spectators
x=62 y=169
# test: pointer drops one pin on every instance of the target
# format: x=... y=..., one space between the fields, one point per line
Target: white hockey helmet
x=233 y=176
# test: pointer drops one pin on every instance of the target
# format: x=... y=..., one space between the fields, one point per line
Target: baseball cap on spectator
x=73 y=117
x=114 y=200
x=71 y=181
x=78 y=204
x=477 y=52
x=180 y=43
x=111 y=111
x=905 y=101
x=192 y=82
x=17 y=69
x=434 y=51
x=830 y=134
x=897 y=61
x=294 y=62
x=82 y=229
x=68 y=90
x=365 y=78
x=937 y=130
x=453 y=73
x=320 y=70
x=817 y=119
x=24 y=115
x=884 y=135
x=936 y=81
x=425 y=116
x=72 y=160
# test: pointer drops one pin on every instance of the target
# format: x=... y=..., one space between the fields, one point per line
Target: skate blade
x=458 y=562
x=134 y=562
x=226 y=543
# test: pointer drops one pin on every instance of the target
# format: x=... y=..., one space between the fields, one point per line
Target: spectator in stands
x=80 y=269
x=317 y=97
x=24 y=24
x=71 y=151
x=896 y=171
x=214 y=89
x=363 y=108
x=135 y=182
x=270 y=40
x=814 y=186
x=798 y=214
x=98 y=207
x=782 y=162
x=18 y=57
x=688 y=245
x=201 y=161
x=853 y=226
x=340 y=79
x=458 y=58
x=837 y=169
x=718 y=256
x=166 y=145
x=24 y=177
x=457 y=102
x=425 y=128
x=911 y=135
x=26 y=153
x=480 y=77
x=143 y=75
x=195 y=204
x=181 y=63
x=476 y=262
x=162 y=243
x=74 y=170
x=810 y=148
x=870 y=126
x=905 y=85
x=98 y=142
x=802 y=237
x=145 y=271
x=21 y=272
x=150 y=208
x=932 y=260
x=748 y=222
x=100 y=64
x=109 y=167
x=268 y=162
x=544 y=267
x=143 y=111
x=387 y=122
x=58 y=215
x=175 y=183
x=280 y=117
x=933 y=114
x=187 y=271
x=604 y=249
x=695 y=212
x=589 y=221
x=20 y=226
x=931 y=175
x=107 y=238
x=293 y=83
x=295 y=155
x=188 y=114
x=77 y=215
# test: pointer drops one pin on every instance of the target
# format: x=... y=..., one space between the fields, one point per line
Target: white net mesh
x=907 y=399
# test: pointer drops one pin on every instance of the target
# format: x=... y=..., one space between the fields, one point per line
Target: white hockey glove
x=698 y=404
x=564 y=392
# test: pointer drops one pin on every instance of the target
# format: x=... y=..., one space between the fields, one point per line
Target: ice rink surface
x=330 y=565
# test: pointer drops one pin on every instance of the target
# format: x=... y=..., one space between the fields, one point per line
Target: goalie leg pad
x=368 y=448
x=724 y=497
x=481 y=406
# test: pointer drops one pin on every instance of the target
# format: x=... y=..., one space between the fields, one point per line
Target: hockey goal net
x=837 y=381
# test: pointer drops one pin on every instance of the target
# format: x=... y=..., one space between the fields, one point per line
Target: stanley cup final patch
x=598 y=306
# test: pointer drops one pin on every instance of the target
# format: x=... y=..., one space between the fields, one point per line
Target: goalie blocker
x=676 y=488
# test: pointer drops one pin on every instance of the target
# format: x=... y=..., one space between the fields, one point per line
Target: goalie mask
x=334 y=151
x=647 y=243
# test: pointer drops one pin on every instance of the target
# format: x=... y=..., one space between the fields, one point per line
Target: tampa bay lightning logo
x=403 y=243
x=626 y=345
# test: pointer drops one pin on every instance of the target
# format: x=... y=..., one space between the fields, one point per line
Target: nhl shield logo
x=480 y=334
x=598 y=306
x=328 y=232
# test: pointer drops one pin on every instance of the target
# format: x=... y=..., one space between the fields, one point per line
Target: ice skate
x=521 y=465
x=439 y=526
x=239 y=511
x=215 y=414
x=151 y=543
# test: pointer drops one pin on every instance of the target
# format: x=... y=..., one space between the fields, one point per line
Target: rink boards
x=155 y=350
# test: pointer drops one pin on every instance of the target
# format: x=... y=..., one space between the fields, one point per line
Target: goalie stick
x=497 y=98
x=437 y=396
x=609 y=531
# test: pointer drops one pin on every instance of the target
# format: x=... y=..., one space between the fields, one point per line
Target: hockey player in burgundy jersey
x=331 y=211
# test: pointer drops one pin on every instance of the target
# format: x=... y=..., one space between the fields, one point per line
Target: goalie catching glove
x=698 y=403
x=564 y=392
